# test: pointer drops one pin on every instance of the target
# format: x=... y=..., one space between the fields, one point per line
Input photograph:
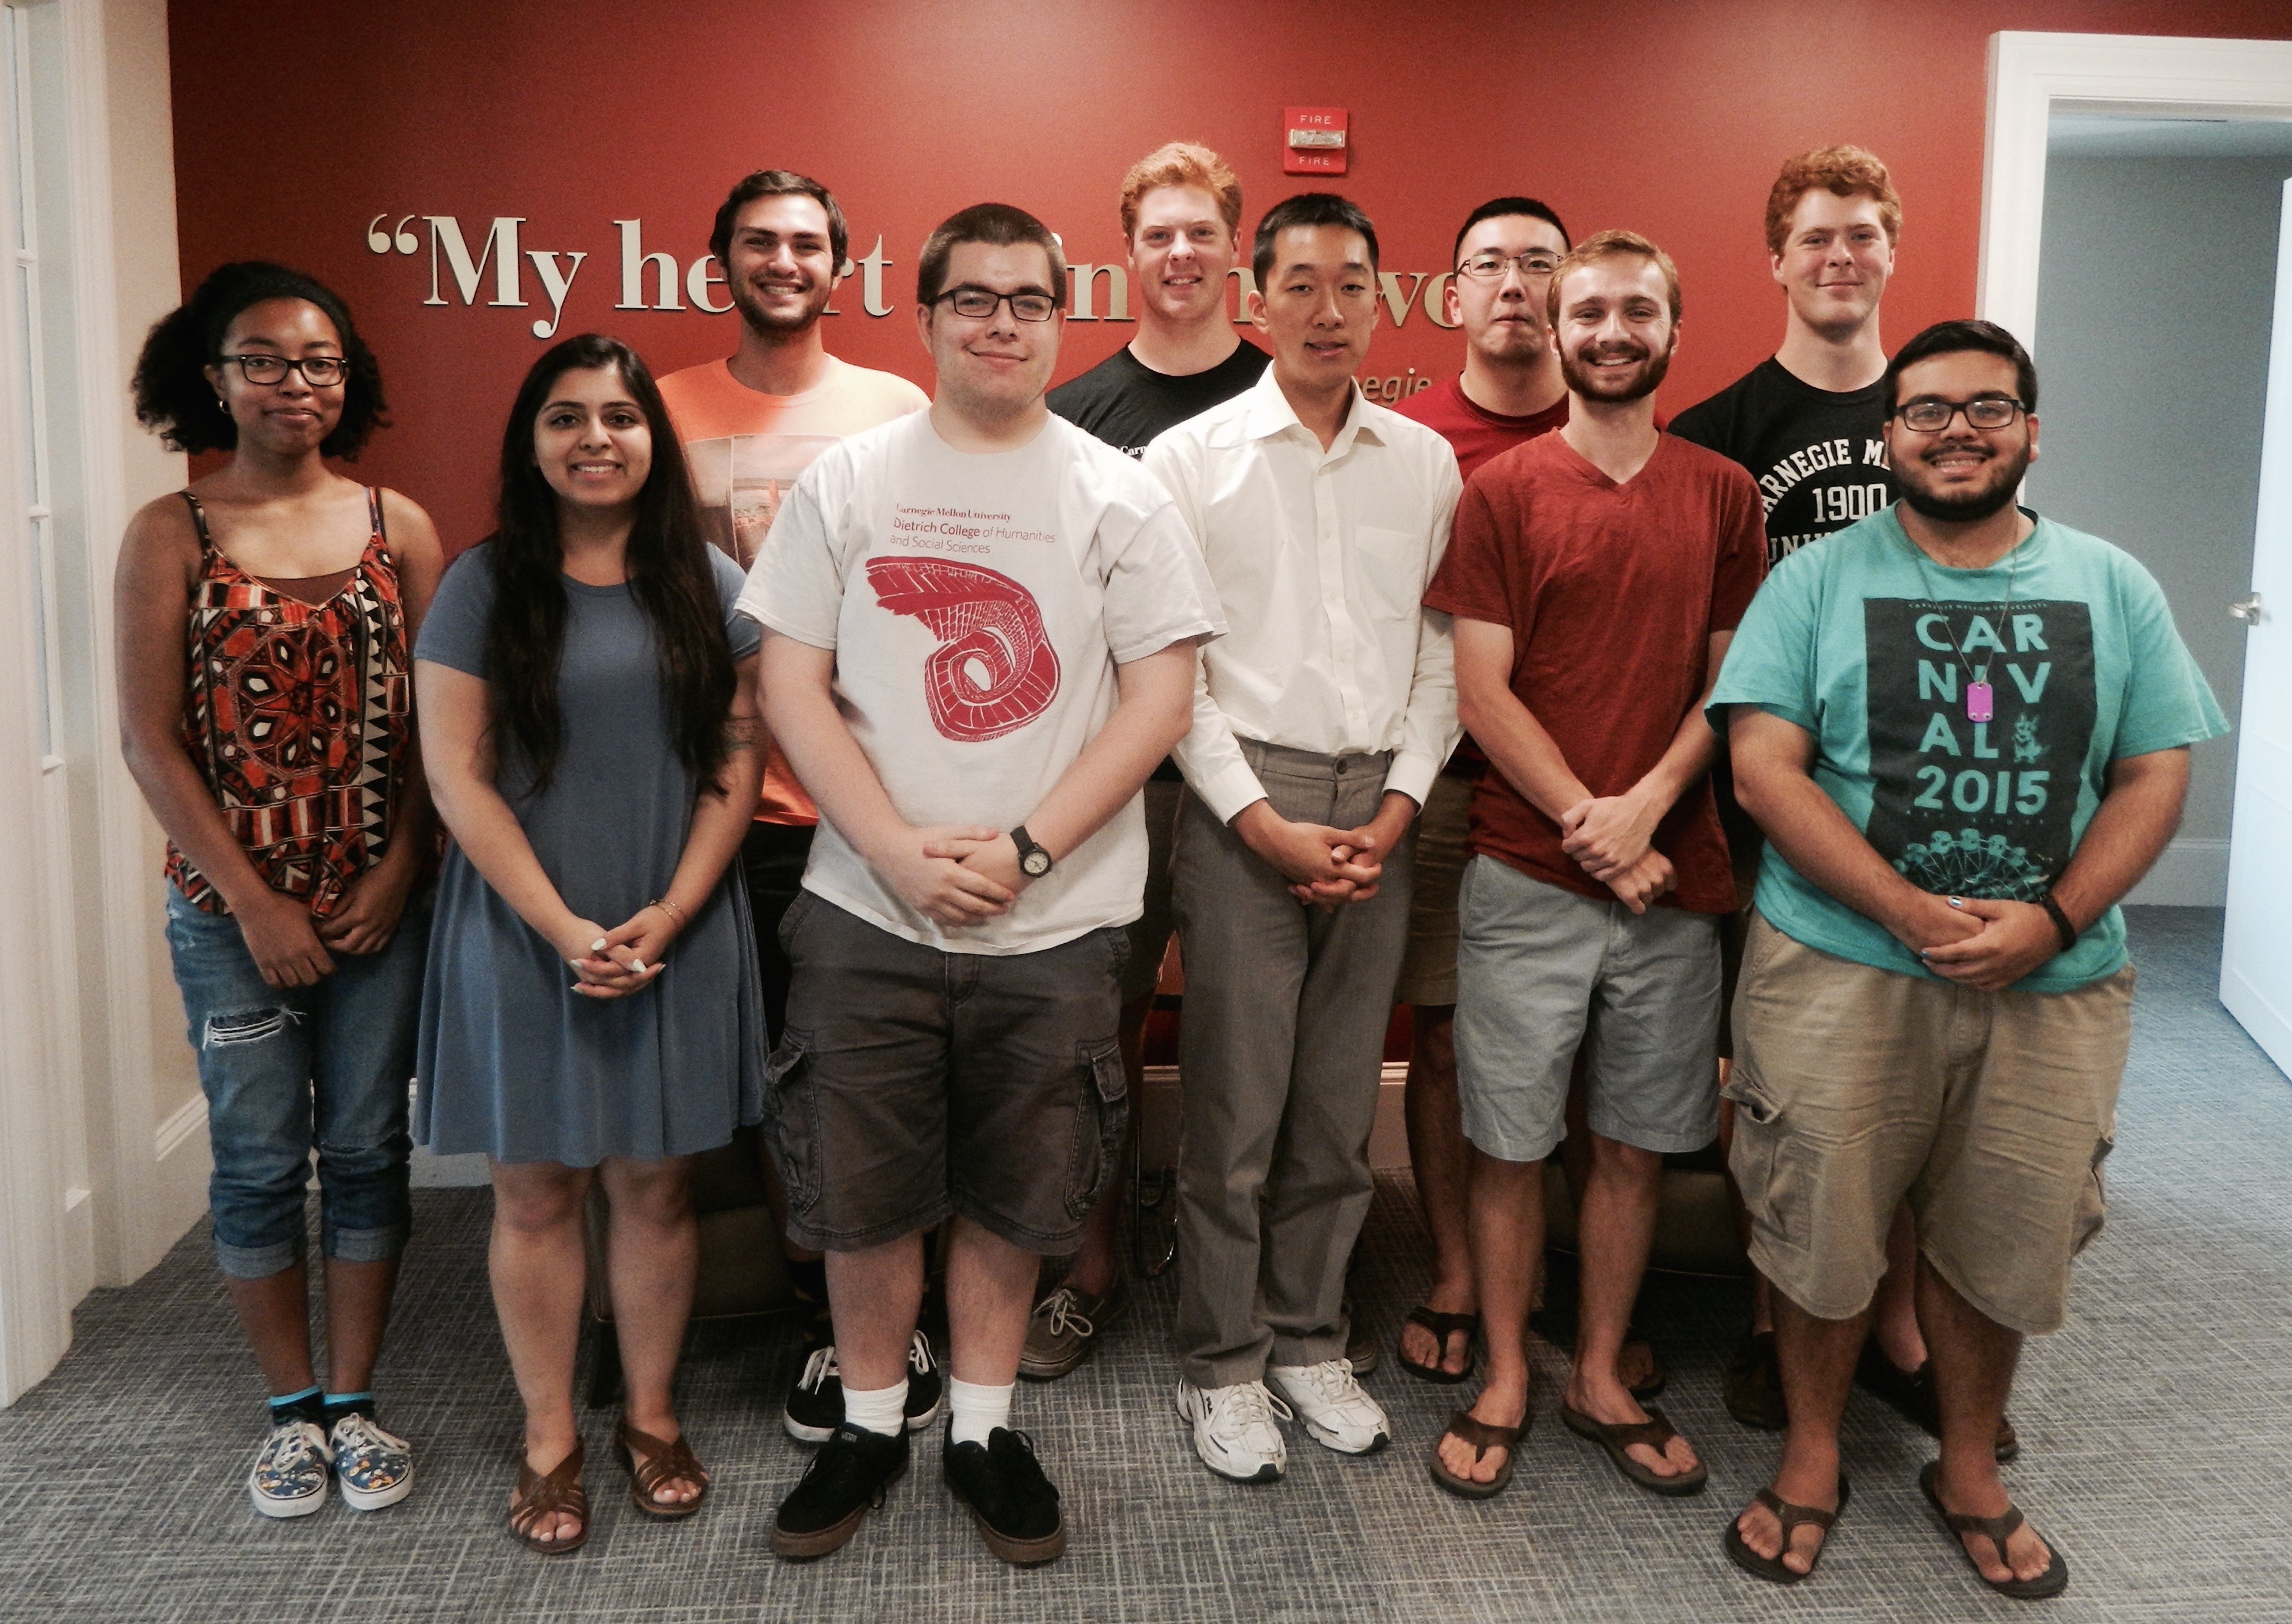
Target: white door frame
x=2033 y=76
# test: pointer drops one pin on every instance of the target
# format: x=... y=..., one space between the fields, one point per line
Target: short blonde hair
x=1844 y=171
x=1609 y=245
x=1181 y=164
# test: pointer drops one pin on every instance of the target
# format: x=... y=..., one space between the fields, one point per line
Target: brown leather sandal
x=1616 y=1437
x=663 y=1463
x=1996 y=1529
x=539 y=1497
x=1483 y=1436
x=1443 y=1326
x=1792 y=1517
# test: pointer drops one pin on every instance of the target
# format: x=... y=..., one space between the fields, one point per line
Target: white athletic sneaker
x=1234 y=1432
x=1333 y=1406
x=289 y=1478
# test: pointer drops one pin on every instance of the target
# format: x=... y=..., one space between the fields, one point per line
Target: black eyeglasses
x=1981 y=412
x=319 y=371
x=980 y=301
x=1490 y=266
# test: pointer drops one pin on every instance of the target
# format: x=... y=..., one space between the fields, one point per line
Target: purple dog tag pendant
x=1978 y=708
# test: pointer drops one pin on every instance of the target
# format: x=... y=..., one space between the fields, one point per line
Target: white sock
x=883 y=1411
x=975 y=1411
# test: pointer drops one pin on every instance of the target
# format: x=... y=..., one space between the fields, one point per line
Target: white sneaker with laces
x=1333 y=1406
x=372 y=1468
x=289 y=1477
x=1234 y=1430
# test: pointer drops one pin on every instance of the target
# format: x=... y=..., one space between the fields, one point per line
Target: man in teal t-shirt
x=1965 y=731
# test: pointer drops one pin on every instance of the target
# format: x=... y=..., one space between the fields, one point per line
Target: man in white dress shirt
x=1320 y=722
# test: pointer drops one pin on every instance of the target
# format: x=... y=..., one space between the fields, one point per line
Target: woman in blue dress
x=591 y=1006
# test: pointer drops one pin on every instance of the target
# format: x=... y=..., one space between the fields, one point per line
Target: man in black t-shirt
x=1182 y=220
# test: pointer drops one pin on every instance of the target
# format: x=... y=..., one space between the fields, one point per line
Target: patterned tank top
x=298 y=716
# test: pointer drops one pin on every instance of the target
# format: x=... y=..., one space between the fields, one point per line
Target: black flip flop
x=1792 y=1517
x=1996 y=1529
x=1443 y=1326
x=1656 y=1432
x=1483 y=1436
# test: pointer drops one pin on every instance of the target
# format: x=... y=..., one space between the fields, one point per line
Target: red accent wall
x=298 y=121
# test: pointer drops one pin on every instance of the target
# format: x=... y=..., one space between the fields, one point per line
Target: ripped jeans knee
x=228 y=1027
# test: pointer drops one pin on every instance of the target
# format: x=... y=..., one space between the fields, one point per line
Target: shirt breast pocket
x=1390 y=567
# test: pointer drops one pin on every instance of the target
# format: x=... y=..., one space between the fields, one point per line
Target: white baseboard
x=429 y=1173
x=2192 y=873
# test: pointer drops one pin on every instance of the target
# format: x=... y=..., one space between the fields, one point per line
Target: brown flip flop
x=1443 y=1326
x=539 y=1497
x=1996 y=1529
x=1483 y=1436
x=1792 y=1517
x=664 y=1463
x=1655 y=1431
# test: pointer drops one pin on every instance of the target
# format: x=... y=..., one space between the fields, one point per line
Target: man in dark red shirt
x=1510 y=390
x=1590 y=912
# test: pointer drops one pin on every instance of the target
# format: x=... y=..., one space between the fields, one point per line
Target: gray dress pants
x=1280 y=1053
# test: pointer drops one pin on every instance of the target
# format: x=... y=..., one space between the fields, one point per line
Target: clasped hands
x=626 y=959
x=1609 y=836
x=1322 y=867
x=1977 y=941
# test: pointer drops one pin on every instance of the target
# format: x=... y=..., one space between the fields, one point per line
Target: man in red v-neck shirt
x=1595 y=574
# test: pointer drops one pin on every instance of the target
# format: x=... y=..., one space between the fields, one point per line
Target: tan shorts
x=1856 y=1088
x=1428 y=969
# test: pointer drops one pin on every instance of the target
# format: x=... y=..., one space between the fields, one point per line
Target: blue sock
x=307 y=1405
x=340 y=1404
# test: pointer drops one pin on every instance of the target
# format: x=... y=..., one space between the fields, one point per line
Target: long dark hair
x=670 y=576
x=173 y=397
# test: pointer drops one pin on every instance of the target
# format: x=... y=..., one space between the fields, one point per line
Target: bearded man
x=1595 y=577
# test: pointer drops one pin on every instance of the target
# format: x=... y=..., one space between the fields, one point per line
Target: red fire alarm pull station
x=1313 y=140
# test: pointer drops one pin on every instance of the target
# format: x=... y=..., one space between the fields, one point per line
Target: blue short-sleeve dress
x=510 y=1060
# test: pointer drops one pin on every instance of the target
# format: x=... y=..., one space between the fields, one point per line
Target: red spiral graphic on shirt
x=994 y=669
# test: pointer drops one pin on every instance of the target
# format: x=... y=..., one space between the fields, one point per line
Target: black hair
x=1956 y=337
x=999 y=225
x=173 y=397
x=1307 y=209
x=778 y=183
x=1507 y=208
x=670 y=575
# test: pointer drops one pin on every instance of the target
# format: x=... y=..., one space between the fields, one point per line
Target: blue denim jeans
x=290 y=1069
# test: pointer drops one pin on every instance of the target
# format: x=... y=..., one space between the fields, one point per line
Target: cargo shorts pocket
x=1100 y=1115
x=1767 y=1169
x=792 y=1119
x=2092 y=1203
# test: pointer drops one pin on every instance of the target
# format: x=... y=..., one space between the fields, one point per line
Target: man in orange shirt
x=750 y=424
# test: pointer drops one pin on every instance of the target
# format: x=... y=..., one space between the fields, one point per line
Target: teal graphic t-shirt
x=1964 y=719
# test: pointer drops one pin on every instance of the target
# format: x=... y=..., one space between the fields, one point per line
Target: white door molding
x=2033 y=76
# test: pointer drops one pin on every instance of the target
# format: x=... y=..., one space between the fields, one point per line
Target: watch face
x=1036 y=863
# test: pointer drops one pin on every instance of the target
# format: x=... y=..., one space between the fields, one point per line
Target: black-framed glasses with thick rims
x=1932 y=416
x=319 y=371
x=1027 y=304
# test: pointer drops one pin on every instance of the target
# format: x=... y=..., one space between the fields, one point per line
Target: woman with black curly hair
x=592 y=1011
x=264 y=616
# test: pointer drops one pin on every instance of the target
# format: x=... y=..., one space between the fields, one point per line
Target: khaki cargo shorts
x=1991 y=1113
x=1428 y=968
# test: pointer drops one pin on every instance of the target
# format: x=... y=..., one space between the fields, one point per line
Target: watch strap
x=2062 y=928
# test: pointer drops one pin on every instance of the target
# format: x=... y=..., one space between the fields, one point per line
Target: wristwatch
x=1034 y=862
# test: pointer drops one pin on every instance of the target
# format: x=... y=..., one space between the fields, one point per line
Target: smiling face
x=1835 y=262
x=1504 y=319
x=1960 y=474
x=992 y=367
x=1179 y=253
x=782 y=271
x=1615 y=330
x=591 y=442
x=289 y=417
x=1320 y=306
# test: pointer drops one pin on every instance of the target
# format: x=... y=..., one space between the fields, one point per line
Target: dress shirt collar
x=1266 y=412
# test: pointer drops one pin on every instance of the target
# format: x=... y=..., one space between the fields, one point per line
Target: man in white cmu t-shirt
x=980 y=632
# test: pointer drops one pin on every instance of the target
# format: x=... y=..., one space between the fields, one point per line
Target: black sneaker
x=1015 y=1506
x=847 y=1479
x=814 y=1409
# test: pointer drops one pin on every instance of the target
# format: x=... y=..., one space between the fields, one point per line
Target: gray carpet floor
x=2158 y=1444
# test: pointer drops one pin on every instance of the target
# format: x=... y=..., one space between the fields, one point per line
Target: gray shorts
x=912 y=1084
x=1149 y=932
x=1428 y=969
x=1541 y=972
